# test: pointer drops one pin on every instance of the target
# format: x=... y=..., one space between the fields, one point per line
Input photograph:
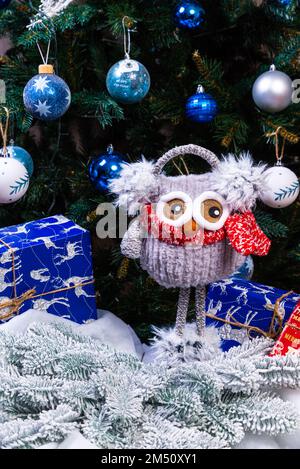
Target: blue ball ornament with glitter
x=4 y=3
x=189 y=14
x=46 y=96
x=105 y=167
x=246 y=270
x=128 y=81
x=201 y=107
x=20 y=154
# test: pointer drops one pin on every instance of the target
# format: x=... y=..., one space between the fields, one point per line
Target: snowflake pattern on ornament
x=42 y=108
x=47 y=96
x=41 y=83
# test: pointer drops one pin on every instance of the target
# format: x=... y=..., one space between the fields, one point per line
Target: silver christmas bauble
x=272 y=91
x=281 y=187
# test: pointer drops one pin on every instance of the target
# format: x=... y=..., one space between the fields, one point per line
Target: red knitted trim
x=172 y=235
x=241 y=229
x=245 y=236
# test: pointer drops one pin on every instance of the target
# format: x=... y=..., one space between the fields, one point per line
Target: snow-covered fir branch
x=53 y=381
x=52 y=8
x=48 y=9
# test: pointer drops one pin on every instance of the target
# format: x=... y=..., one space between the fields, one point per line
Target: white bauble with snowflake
x=14 y=180
x=281 y=187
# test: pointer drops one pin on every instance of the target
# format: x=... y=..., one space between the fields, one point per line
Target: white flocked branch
x=49 y=9
x=52 y=8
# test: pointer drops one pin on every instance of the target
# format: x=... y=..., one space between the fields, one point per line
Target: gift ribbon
x=272 y=333
x=292 y=326
x=4 y=131
x=16 y=302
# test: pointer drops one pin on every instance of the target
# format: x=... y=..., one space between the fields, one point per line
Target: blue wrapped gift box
x=47 y=265
x=241 y=309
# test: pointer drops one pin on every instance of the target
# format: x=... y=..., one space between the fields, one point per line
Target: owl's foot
x=198 y=346
x=168 y=347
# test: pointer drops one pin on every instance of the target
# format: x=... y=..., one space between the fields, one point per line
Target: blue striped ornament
x=201 y=107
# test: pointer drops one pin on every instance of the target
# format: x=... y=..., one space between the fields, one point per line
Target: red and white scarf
x=241 y=230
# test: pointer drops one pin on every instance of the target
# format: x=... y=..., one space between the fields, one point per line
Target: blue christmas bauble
x=285 y=3
x=189 y=14
x=246 y=270
x=105 y=167
x=128 y=81
x=4 y=3
x=20 y=154
x=201 y=107
x=46 y=96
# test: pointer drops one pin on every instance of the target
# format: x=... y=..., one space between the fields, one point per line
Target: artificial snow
x=258 y=442
x=112 y=331
x=76 y=441
x=108 y=329
x=291 y=441
x=73 y=441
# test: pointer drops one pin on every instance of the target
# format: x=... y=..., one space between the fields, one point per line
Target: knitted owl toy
x=191 y=230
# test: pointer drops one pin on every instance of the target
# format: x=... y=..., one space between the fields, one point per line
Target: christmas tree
x=235 y=43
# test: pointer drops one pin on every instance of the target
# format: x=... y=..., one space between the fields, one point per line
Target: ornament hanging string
x=4 y=131
x=40 y=19
x=279 y=157
x=43 y=18
x=126 y=22
x=44 y=59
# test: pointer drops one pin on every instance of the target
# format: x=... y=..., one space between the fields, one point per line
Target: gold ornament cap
x=46 y=68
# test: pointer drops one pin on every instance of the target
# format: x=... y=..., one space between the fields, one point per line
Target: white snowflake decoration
x=42 y=108
x=41 y=83
x=48 y=9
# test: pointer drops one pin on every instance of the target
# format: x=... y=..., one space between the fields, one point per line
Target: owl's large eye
x=175 y=208
x=210 y=210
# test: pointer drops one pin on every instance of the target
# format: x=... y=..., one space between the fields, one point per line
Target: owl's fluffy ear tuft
x=136 y=184
x=239 y=181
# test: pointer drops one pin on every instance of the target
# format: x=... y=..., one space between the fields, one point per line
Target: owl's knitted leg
x=200 y=310
x=182 y=309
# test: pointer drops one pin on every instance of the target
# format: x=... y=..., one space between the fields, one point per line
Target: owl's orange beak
x=191 y=228
x=245 y=236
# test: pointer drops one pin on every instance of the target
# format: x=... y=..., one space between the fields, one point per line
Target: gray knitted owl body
x=191 y=230
x=177 y=266
x=193 y=264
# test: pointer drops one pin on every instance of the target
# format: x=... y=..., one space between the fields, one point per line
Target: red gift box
x=289 y=339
